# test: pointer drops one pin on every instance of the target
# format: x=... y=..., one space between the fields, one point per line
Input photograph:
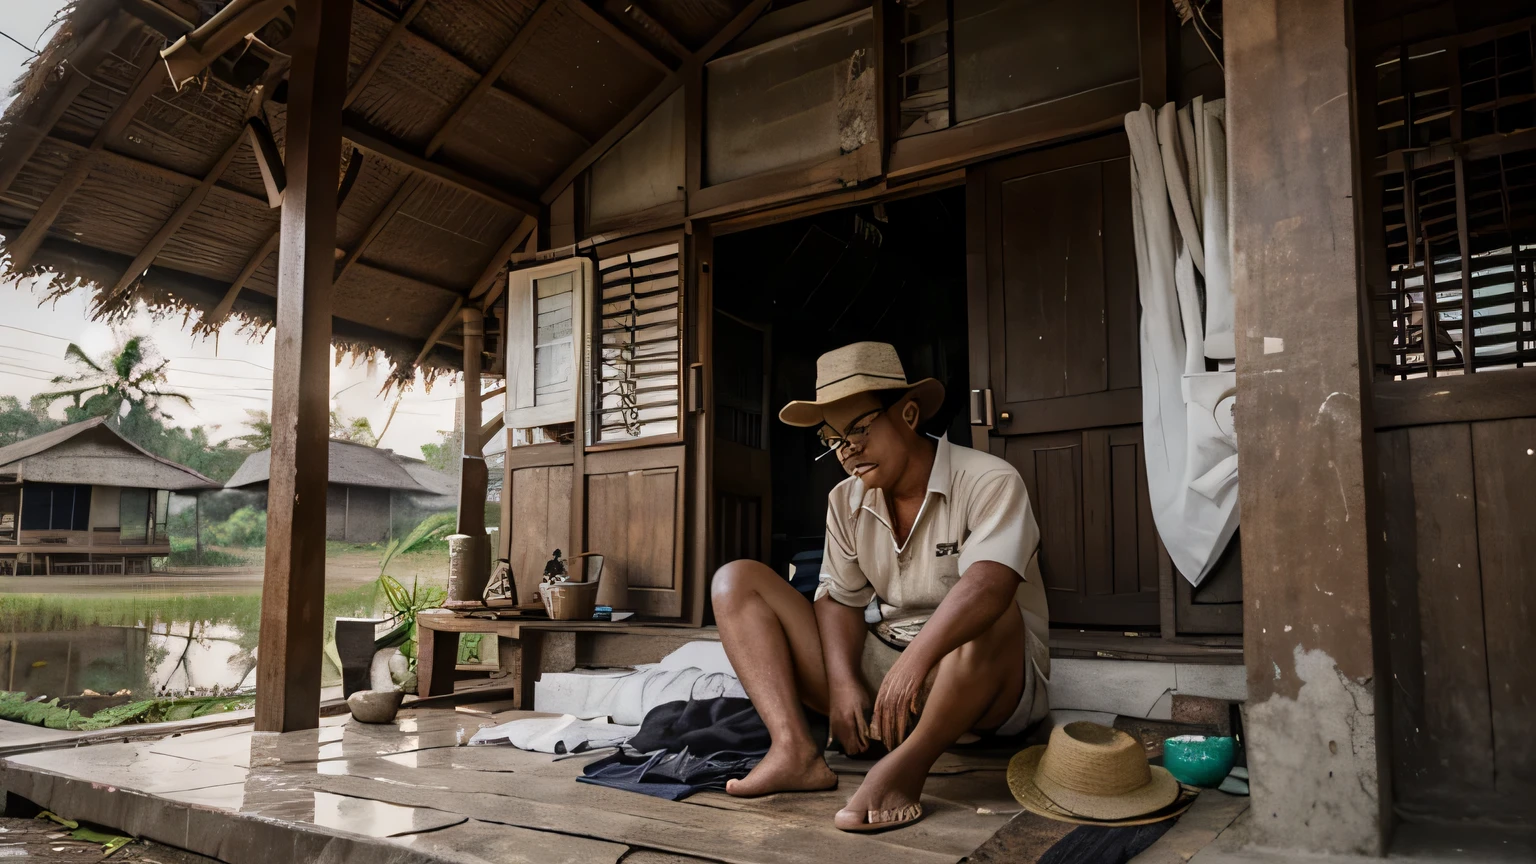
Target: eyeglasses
x=857 y=431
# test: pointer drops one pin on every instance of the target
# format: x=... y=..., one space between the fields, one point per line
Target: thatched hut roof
x=91 y=452
x=348 y=464
x=464 y=119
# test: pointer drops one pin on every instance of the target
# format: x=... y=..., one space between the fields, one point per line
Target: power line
x=24 y=46
x=36 y=333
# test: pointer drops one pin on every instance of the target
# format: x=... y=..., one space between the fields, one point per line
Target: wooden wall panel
x=633 y=520
x=1455 y=719
x=540 y=502
x=1506 y=521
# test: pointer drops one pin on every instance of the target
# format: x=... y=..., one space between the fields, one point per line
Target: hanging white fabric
x=1179 y=208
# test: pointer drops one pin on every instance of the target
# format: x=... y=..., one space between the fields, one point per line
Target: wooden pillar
x=1317 y=677
x=473 y=477
x=293 y=591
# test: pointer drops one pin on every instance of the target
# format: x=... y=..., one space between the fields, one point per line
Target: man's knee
x=735 y=581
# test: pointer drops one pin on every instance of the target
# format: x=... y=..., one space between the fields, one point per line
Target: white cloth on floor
x=565 y=734
x=629 y=696
x=1178 y=189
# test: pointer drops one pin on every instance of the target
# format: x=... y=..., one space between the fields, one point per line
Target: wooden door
x=743 y=501
x=1054 y=336
x=613 y=481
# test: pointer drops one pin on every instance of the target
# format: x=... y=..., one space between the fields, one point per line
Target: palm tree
x=261 y=430
x=126 y=387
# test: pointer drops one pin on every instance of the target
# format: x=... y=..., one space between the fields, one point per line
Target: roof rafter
x=488 y=80
x=666 y=88
x=632 y=10
x=26 y=244
x=613 y=31
x=483 y=290
x=41 y=116
x=396 y=33
x=356 y=131
x=189 y=205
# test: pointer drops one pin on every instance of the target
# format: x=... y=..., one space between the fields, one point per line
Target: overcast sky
x=224 y=375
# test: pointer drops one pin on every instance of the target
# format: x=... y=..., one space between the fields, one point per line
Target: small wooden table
x=437 y=645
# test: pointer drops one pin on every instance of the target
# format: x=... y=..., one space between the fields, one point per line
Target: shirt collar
x=939 y=478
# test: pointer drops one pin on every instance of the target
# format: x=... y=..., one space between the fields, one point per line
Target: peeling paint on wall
x=1315 y=765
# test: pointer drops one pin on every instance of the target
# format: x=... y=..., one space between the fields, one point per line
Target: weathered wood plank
x=293 y=588
x=1457 y=737
x=666 y=88
x=1506 y=512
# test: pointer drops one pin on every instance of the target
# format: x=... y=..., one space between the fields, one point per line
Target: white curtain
x=1179 y=202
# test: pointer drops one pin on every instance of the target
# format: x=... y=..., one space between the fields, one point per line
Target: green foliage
x=245 y=528
x=184 y=554
x=19 y=422
x=444 y=455
x=260 y=437
x=405 y=604
x=50 y=714
x=355 y=429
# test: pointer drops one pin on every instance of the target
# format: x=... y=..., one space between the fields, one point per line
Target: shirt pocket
x=947 y=569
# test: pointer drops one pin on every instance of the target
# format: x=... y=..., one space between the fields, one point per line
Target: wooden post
x=1313 y=615
x=473 y=478
x=293 y=592
x=197 y=522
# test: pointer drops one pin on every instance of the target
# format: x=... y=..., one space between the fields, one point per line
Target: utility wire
x=23 y=45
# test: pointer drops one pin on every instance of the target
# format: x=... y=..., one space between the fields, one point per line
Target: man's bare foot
x=785 y=769
x=890 y=785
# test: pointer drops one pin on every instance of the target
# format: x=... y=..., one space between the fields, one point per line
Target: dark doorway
x=785 y=294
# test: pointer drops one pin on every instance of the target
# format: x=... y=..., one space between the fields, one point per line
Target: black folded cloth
x=687 y=746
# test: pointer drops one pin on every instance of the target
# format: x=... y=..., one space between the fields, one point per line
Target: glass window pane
x=552 y=381
x=81 y=519
x=133 y=515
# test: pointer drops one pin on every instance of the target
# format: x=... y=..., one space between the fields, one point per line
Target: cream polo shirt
x=976 y=509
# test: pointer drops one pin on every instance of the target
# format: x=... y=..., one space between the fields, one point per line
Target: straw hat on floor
x=1093 y=774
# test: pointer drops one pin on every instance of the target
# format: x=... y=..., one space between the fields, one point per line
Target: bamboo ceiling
x=464 y=119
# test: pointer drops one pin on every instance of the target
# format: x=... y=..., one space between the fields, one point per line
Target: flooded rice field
x=192 y=631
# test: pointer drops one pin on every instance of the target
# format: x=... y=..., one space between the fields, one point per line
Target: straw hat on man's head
x=1090 y=773
x=863 y=367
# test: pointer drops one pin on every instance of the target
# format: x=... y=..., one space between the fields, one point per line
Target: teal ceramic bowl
x=1198 y=760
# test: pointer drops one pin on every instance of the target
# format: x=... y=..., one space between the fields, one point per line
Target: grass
x=184 y=554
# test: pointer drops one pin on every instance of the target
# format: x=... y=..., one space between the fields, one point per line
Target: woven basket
x=573 y=601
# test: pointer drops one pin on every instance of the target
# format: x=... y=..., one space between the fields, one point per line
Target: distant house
x=83 y=499
x=372 y=494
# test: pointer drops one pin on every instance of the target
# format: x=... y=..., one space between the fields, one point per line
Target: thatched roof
x=448 y=176
x=91 y=452
x=350 y=464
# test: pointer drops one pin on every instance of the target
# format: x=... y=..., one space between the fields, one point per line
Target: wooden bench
x=522 y=644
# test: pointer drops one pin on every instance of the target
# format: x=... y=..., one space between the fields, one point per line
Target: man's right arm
x=842 y=645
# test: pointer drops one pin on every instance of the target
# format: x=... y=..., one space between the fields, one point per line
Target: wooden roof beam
x=26 y=244
x=44 y=113
x=210 y=322
x=613 y=31
x=354 y=130
x=485 y=289
x=632 y=10
x=396 y=33
x=488 y=80
x=666 y=88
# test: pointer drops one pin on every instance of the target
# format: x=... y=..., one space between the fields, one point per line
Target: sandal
x=886 y=820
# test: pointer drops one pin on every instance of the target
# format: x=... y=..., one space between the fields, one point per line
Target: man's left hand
x=899 y=701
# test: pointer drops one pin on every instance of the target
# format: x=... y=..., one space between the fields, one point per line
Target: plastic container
x=1199 y=760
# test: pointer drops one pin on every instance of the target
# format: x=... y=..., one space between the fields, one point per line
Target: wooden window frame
x=520 y=355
